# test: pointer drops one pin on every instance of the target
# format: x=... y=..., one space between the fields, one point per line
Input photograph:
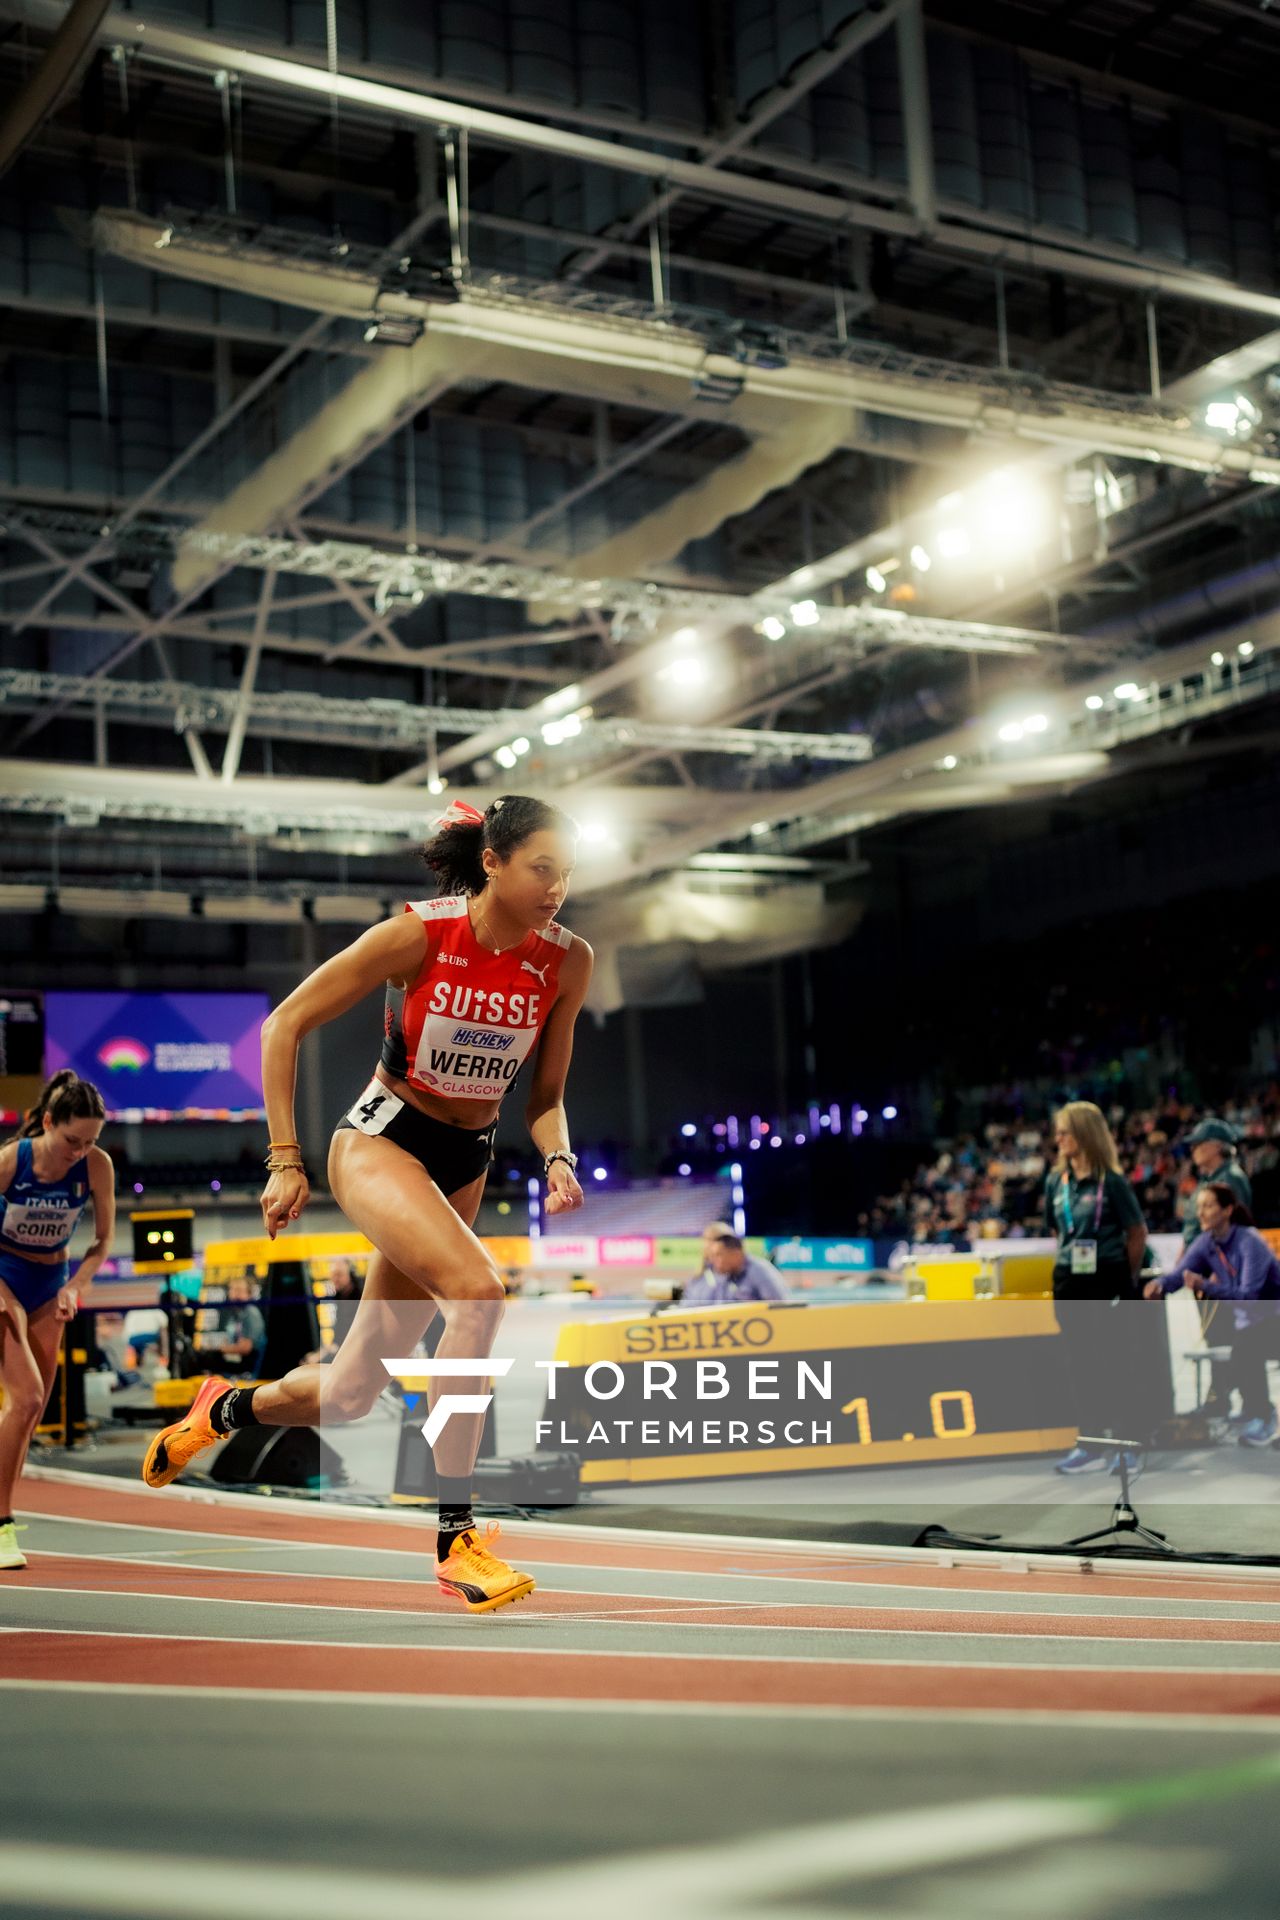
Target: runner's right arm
x=390 y=952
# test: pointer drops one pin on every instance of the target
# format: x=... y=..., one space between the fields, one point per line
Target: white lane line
x=1240 y=1726
x=833 y=1552
x=643 y=1615
x=480 y=1623
x=856 y=1600
x=633 y=1616
x=682 y=1883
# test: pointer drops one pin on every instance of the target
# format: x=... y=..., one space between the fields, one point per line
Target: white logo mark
x=415 y=1372
x=539 y=973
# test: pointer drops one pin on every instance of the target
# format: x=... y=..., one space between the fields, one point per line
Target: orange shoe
x=177 y=1446
x=476 y=1576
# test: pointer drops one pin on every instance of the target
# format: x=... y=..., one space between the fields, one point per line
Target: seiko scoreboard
x=760 y=1389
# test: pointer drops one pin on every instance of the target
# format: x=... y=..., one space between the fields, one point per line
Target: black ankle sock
x=232 y=1409
x=454 y=1515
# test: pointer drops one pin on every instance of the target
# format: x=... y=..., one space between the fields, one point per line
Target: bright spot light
x=688 y=1129
x=953 y=542
x=553 y=732
x=437 y=785
x=754 y=1145
x=920 y=560
x=949 y=763
x=1218 y=659
x=799 y=1139
x=1245 y=649
x=520 y=747
x=888 y=1113
x=1011 y=512
x=862 y=1116
x=775 y=1140
x=1095 y=702
x=595 y=832
x=805 y=613
x=685 y=637
x=761 y=826
x=684 y=1168
x=1038 y=723
x=137 y=1186
x=1011 y=730
x=876 y=580
x=505 y=757
x=598 y=1173
x=772 y=628
x=686 y=672
x=567 y=697
x=215 y=1186
x=570 y=725
x=1129 y=691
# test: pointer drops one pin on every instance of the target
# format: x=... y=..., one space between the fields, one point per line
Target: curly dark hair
x=453 y=855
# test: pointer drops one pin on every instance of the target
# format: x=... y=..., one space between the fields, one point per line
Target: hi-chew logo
x=415 y=1375
x=124 y=1053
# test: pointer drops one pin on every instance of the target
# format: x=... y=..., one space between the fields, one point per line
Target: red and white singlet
x=468 y=1022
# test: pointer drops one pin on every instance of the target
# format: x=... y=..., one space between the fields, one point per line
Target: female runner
x=48 y=1174
x=474 y=980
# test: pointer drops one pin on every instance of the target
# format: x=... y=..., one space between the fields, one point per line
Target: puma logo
x=539 y=973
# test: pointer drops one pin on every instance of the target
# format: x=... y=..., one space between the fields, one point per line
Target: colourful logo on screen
x=124 y=1055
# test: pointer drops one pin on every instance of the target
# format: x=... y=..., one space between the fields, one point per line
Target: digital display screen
x=21 y=1034
x=162 y=1056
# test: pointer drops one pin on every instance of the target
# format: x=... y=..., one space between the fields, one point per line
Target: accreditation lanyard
x=1067 y=1214
x=1220 y=1253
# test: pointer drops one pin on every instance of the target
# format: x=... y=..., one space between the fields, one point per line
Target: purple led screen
x=165 y=1053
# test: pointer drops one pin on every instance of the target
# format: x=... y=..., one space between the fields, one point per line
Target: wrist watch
x=561 y=1153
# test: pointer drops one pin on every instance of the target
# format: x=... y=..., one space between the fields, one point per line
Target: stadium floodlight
x=1038 y=723
x=558 y=702
x=1128 y=690
x=520 y=747
x=772 y=628
x=805 y=613
x=761 y=826
x=1012 y=730
x=1245 y=649
x=687 y=671
x=505 y=757
x=948 y=763
x=553 y=732
x=595 y=832
x=436 y=784
x=1095 y=702
x=876 y=580
x=920 y=560
x=1218 y=659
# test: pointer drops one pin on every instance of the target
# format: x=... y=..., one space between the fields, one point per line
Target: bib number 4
x=376 y=1108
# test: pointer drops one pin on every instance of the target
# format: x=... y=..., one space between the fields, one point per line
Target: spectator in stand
x=1229 y=1260
x=734 y=1275
x=1213 y=1150
x=1093 y=1212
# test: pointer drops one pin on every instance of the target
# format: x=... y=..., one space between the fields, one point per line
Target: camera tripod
x=1124 y=1519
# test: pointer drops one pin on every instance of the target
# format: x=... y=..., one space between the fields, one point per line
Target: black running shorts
x=453 y=1156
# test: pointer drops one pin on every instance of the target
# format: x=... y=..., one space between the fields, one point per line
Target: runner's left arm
x=548 y=1123
x=102 y=1193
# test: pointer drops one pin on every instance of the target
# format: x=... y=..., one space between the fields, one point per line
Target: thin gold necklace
x=480 y=915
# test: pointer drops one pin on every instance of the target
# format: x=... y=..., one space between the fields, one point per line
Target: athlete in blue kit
x=48 y=1175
